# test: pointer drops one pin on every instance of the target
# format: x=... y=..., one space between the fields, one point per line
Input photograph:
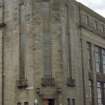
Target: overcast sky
x=97 y=5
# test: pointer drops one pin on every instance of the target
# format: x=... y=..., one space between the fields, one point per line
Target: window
x=103 y=27
x=90 y=92
x=97 y=58
x=103 y=60
x=100 y=27
x=26 y=103
x=19 y=103
x=85 y=19
x=100 y=59
x=22 y=39
x=99 y=93
x=68 y=100
x=96 y=24
x=89 y=56
x=73 y=101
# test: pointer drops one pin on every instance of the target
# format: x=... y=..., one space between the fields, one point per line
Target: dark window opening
x=19 y=103
x=68 y=100
x=73 y=101
x=100 y=59
x=26 y=103
x=48 y=102
x=51 y=102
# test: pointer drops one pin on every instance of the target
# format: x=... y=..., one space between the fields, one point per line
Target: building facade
x=52 y=52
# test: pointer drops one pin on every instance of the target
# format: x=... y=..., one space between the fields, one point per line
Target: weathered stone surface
x=55 y=46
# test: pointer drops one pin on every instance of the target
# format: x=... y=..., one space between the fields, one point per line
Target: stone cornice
x=91 y=12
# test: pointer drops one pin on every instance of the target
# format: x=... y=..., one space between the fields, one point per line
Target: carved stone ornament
x=48 y=82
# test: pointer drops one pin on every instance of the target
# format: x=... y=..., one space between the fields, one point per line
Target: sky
x=96 y=5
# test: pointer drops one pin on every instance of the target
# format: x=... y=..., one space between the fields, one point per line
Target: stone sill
x=22 y=84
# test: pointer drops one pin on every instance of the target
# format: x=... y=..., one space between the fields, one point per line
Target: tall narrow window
x=98 y=58
x=99 y=93
x=89 y=56
x=68 y=40
x=47 y=80
x=73 y=101
x=104 y=92
x=26 y=103
x=46 y=40
x=96 y=24
x=22 y=40
x=68 y=101
x=103 y=60
x=85 y=19
x=90 y=92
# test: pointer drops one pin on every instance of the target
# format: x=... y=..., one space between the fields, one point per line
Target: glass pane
x=97 y=58
x=73 y=101
x=99 y=93
x=103 y=51
x=90 y=89
x=89 y=55
x=104 y=68
x=103 y=59
x=99 y=84
x=68 y=101
x=97 y=67
x=99 y=101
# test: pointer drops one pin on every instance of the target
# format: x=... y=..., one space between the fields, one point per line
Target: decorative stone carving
x=49 y=92
x=48 y=82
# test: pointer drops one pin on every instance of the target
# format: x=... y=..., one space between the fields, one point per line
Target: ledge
x=48 y=92
x=22 y=84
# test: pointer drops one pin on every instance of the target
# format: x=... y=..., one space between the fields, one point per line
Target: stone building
x=52 y=52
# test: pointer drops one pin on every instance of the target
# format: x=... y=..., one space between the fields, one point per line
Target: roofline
x=90 y=11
